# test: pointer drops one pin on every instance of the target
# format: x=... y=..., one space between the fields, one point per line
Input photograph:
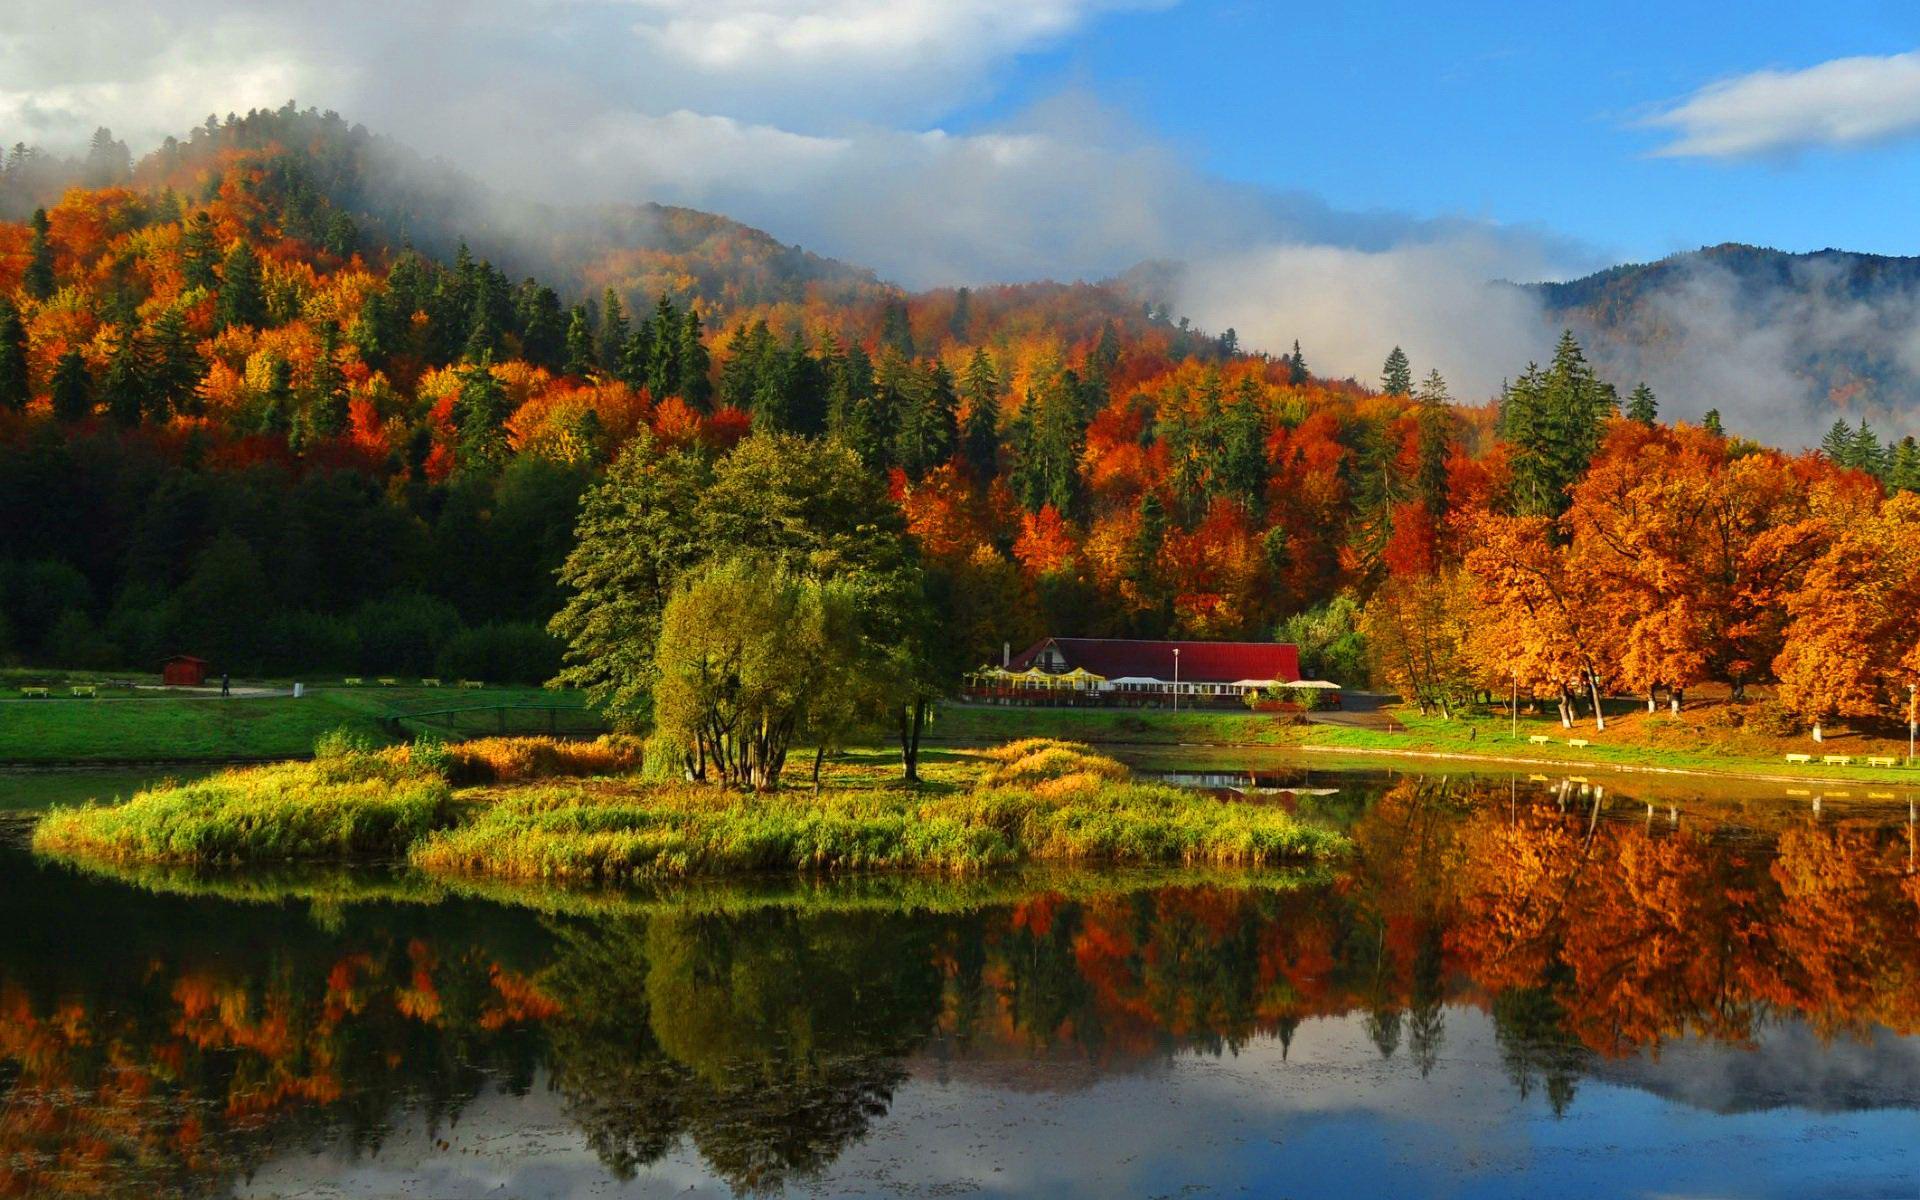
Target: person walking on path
x=226 y=685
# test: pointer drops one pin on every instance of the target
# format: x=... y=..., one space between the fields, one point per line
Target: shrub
x=1774 y=719
x=404 y=632
x=518 y=760
x=503 y=653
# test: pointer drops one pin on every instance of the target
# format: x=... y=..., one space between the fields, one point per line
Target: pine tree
x=38 y=279
x=1296 y=365
x=1396 y=376
x=71 y=388
x=176 y=367
x=896 y=331
x=276 y=408
x=14 y=390
x=241 y=301
x=198 y=252
x=123 y=391
x=327 y=398
x=980 y=439
x=1438 y=426
x=928 y=425
x=1239 y=449
x=483 y=330
x=1869 y=453
x=480 y=414
x=1711 y=423
x=1554 y=420
x=1641 y=405
x=1838 y=444
x=695 y=367
x=611 y=341
x=960 y=325
x=663 y=368
x=1903 y=471
x=579 y=344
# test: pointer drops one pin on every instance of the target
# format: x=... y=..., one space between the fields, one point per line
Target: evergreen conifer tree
x=1296 y=365
x=14 y=389
x=1837 y=445
x=1711 y=423
x=123 y=390
x=611 y=341
x=1396 y=376
x=176 y=367
x=327 y=401
x=198 y=252
x=38 y=279
x=980 y=440
x=1903 y=472
x=71 y=389
x=578 y=354
x=694 y=367
x=1641 y=405
x=241 y=299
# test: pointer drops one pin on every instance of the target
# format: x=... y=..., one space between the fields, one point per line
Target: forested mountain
x=242 y=418
x=1792 y=339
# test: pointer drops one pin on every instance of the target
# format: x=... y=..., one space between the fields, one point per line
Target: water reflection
x=176 y=1038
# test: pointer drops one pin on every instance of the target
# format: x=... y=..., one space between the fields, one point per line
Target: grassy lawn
x=171 y=728
x=1703 y=738
x=127 y=726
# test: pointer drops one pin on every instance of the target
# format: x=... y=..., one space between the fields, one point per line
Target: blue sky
x=1521 y=114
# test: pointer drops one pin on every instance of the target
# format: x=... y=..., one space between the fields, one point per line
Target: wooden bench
x=1578 y=743
x=353 y=681
x=471 y=683
x=1837 y=760
x=430 y=683
x=86 y=689
x=1799 y=758
x=36 y=693
x=388 y=681
x=1539 y=739
x=1874 y=760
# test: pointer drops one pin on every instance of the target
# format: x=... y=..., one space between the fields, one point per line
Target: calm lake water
x=1519 y=989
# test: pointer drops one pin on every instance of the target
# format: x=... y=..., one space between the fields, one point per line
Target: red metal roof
x=1200 y=662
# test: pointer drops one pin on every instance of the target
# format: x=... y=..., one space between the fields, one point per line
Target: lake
x=1520 y=987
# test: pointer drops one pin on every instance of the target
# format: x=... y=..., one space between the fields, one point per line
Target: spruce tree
x=1837 y=445
x=960 y=325
x=663 y=366
x=123 y=390
x=276 y=408
x=176 y=367
x=1554 y=420
x=1711 y=423
x=980 y=439
x=14 y=390
x=1396 y=376
x=1641 y=405
x=1869 y=453
x=1438 y=426
x=71 y=389
x=480 y=413
x=1903 y=473
x=198 y=252
x=327 y=391
x=241 y=299
x=38 y=279
x=896 y=330
x=579 y=343
x=694 y=382
x=612 y=338
x=928 y=425
x=1296 y=365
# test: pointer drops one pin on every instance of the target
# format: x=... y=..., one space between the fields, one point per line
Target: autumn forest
x=243 y=414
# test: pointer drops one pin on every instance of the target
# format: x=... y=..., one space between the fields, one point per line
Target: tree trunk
x=819 y=754
x=1650 y=708
x=1566 y=708
x=913 y=719
x=1817 y=736
x=1675 y=698
x=1599 y=717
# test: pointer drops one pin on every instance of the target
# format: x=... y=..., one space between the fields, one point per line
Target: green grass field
x=1631 y=742
x=150 y=726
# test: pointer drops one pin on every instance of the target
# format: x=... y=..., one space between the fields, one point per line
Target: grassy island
x=531 y=808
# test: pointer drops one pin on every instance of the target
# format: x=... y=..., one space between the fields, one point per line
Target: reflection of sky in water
x=1333 y=1119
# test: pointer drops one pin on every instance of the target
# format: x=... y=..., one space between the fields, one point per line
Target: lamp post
x=1176 y=679
x=1913 y=717
x=1514 y=710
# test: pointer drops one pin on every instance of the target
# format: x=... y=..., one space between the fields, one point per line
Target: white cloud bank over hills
x=821 y=121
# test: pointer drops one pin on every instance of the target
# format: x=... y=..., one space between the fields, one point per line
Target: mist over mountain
x=1782 y=344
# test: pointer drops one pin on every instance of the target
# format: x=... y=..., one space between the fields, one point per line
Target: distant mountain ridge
x=1789 y=341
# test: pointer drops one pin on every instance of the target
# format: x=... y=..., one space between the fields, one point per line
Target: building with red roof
x=1198 y=662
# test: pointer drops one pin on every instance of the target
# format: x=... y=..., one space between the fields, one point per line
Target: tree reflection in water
x=155 y=1042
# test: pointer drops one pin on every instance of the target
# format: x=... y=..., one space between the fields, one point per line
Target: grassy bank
x=1706 y=739
x=151 y=725
x=1027 y=803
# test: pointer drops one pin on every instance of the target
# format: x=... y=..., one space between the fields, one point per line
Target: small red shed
x=183 y=670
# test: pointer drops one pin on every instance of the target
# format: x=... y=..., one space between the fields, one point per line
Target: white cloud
x=1840 y=103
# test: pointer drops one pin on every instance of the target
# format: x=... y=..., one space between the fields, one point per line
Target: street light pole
x=1912 y=716
x=1176 y=679
x=1514 y=711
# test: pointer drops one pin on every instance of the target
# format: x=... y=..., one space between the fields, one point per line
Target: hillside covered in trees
x=242 y=416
